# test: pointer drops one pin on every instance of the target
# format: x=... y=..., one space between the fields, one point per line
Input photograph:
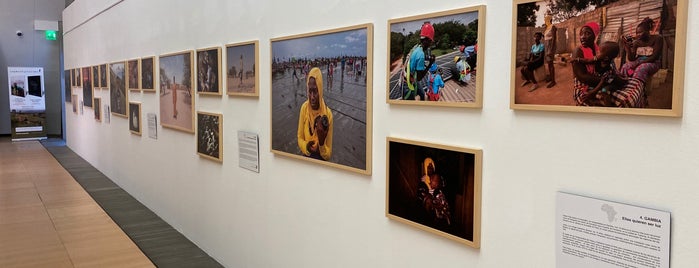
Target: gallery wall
x=31 y=50
x=299 y=214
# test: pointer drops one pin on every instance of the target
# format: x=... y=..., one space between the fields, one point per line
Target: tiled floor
x=77 y=217
x=48 y=220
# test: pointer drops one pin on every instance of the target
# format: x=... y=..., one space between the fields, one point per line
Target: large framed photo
x=148 y=74
x=135 y=118
x=616 y=57
x=242 y=69
x=132 y=74
x=118 y=97
x=209 y=71
x=322 y=81
x=433 y=58
x=176 y=91
x=209 y=131
x=436 y=188
x=103 y=76
x=98 y=109
x=87 y=86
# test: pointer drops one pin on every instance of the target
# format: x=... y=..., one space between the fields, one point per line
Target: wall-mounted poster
x=135 y=118
x=27 y=104
x=176 y=91
x=118 y=99
x=209 y=131
x=620 y=57
x=433 y=58
x=321 y=80
x=87 y=86
x=103 y=76
x=132 y=72
x=209 y=71
x=98 y=109
x=436 y=188
x=95 y=77
x=242 y=69
x=147 y=74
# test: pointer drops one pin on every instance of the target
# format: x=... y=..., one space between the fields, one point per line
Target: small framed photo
x=74 y=100
x=67 y=89
x=433 y=59
x=98 y=109
x=104 y=77
x=87 y=86
x=176 y=91
x=78 y=77
x=209 y=131
x=148 y=74
x=118 y=97
x=209 y=71
x=72 y=77
x=242 y=69
x=95 y=77
x=313 y=94
x=436 y=188
x=132 y=74
x=135 y=118
x=613 y=57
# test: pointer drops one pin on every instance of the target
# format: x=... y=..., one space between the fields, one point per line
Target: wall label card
x=152 y=126
x=249 y=145
x=598 y=233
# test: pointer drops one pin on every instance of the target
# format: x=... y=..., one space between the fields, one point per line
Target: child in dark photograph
x=430 y=194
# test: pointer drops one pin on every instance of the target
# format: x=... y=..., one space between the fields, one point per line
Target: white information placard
x=598 y=233
x=152 y=126
x=249 y=156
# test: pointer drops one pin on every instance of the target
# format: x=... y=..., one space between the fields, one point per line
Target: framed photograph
x=87 y=86
x=242 y=69
x=320 y=80
x=78 y=79
x=616 y=57
x=95 y=77
x=176 y=91
x=209 y=71
x=98 y=109
x=436 y=188
x=433 y=58
x=103 y=76
x=75 y=103
x=132 y=72
x=66 y=85
x=209 y=131
x=118 y=97
x=72 y=77
x=135 y=118
x=147 y=74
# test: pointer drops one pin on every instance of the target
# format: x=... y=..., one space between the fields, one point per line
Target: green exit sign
x=50 y=35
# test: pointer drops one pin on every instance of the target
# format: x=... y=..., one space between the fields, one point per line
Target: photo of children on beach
x=435 y=188
x=321 y=84
x=433 y=58
x=599 y=56
x=242 y=69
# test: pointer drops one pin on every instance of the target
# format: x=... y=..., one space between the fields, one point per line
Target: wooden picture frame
x=654 y=88
x=351 y=148
x=209 y=71
x=98 y=109
x=180 y=65
x=67 y=88
x=74 y=101
x=453 y=80
x=210 y=136
x=104 y=84
x=78 y=77
x=133 y=75
x=118 y=96
x=447 y=202
x=148 y=74
x=96 y=77
x=88 y=91
x=72 y=78
x=135 y=119
x=240 y=83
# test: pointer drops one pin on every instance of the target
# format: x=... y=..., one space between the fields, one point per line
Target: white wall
x=294 y=214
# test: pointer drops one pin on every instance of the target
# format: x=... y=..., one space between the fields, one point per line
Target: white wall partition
x=296 y=214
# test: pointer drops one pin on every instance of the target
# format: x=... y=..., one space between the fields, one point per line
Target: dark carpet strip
x=162 y=244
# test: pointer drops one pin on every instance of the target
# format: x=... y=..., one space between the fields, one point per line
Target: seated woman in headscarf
x=643 y=52
x=591 y=68
x=315 y=129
